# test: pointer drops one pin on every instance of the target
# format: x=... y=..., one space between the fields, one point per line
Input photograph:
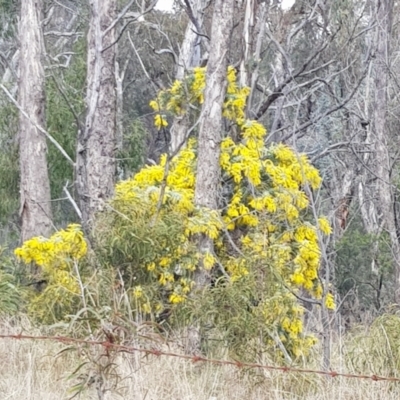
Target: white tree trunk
x=210 y=135
x=35 y=185
x=189 y=57
x=260 y=29
x=384 y=195
x=248 y=26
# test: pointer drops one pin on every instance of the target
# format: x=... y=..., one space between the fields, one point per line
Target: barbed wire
x=109 y=345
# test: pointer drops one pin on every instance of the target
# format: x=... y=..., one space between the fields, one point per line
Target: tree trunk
x=256 y=56
x=189 y=57
x=210 y=134
x=97 y=142
x=35 y=185
x=248 y=38
x=384 y=14
x=369 y=207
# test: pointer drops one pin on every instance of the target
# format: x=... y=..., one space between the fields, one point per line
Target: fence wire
x=109 y=345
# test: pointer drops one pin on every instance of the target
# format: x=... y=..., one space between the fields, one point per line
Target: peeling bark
x=97 y=142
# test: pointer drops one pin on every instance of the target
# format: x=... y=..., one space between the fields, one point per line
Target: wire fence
x=108 y=345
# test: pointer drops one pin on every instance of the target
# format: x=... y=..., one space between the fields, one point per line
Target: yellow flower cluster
x=330 y=301
x=145 y=187
x=236 y=267
x=55 y=252
x=235 y=101
x=198 y=84
x=160 y=121
x=290 y=319
x=324 y=226
x=190 y=91
x=55 y=256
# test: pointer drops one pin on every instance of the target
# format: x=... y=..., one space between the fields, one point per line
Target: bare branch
x=119 y=17
x=140 y=60
x=328 y=112
x=40 y=128
x=9 y=66
x=328 y=150
x=60 y=34
x=195 y=22
x=136 y=18
x=72 y=201
x=64 y=6
x=191 y=16
x=278 y=91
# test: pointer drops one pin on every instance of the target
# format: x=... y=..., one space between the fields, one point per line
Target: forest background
x=221 y=176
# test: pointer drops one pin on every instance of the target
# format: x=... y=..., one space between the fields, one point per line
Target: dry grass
x=35 y=370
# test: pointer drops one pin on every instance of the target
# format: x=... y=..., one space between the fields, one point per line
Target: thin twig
x=72 y=201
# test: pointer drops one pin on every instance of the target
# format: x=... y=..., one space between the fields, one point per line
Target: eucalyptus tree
x=189 y=57
x=97 y=140
x=211 y=121
x=35 y=208
x=379 y=212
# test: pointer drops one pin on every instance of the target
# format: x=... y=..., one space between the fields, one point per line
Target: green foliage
x=249 y=318
x=355 y=281
x=10 y=293
x=61 y=122
x=8 y=18
x=130 y=156
x=9 y=182
x=10 y=300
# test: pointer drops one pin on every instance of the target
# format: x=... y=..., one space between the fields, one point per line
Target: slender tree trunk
x=369 y=207
x=256 y=55
x=35 y=185
x=210 y=135
x=189 y=57
x=384 y=14
x=97 y=142
x=119 y=131
x=248 y=39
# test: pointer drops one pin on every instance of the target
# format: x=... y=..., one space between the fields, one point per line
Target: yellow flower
x=176 y=298
x=165 y=278
x=159 y=121
x=301 y=200
x=165 y=261
x=284 y=154
x=151 y=267
x=324 y=225
x=146 y=308
x=270 y=204
x=330 y=301
x=298 y=278
x=186 y=284
x=253 y=130
x=137 y=292
x=208 y=260
x=154 y=105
